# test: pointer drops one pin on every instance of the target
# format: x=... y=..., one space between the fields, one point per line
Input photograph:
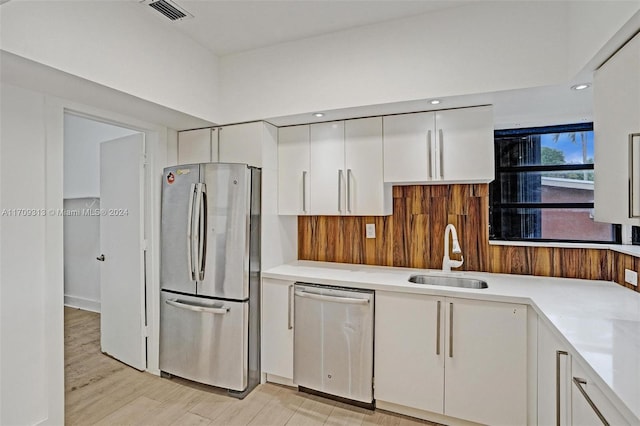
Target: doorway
x=103 y=209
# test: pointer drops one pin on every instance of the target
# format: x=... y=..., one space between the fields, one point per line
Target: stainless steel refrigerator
x=210 y=272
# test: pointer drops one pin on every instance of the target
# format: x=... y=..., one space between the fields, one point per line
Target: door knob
x=100 y=258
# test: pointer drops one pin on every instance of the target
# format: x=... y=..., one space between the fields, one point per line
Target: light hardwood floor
x=102 y=391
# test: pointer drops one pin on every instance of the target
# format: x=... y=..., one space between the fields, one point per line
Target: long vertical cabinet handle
x=304 y=191
x=339 y=190
x=579 y=382
x=450 y=330
x=441 y=153
x=633 y=162
x=349 y=190
x=438 y=328
x=558 y=381
x=289 y=308
x=192 y=270
x=429 y=155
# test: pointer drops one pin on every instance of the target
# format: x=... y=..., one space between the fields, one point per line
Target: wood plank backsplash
x=414 y=237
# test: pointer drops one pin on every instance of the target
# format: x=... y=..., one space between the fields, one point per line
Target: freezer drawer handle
x=177 y=304
x=579 y=382
x=337 y=299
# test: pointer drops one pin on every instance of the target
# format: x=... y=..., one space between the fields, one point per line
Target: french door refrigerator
x=210 y=272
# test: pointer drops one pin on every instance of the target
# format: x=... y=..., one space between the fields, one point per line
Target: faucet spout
x=447 y=263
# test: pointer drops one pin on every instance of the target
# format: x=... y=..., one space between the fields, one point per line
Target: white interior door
x=122 y=319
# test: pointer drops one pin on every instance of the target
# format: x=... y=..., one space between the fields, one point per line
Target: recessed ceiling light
x=580 y=86
x=318 y=114
x=435 y=101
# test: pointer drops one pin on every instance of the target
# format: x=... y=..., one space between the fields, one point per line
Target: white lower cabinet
x=554 y=378
x=277 y=330
x=462 y=358
x=589 y=405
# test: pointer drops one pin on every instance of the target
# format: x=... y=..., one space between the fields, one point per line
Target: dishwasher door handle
x=336 y=299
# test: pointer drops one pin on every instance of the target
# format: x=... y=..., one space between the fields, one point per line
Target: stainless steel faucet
x=447 y=263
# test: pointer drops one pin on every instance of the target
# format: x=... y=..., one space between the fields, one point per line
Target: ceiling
x=226 y=27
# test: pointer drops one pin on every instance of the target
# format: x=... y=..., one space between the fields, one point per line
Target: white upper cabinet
x=366 y=193
x=408 y=146
x=464 y=148
x=327 y=174
x=249 y=143
x=197 y=146
x=293 y=170
x=333 y=169
x=616 y=118
x=448 y=146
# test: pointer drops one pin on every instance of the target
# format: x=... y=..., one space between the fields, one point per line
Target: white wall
x=115 y=44
x=591 y=25
x=465 y=50
x=82 y=138
x=25 y=305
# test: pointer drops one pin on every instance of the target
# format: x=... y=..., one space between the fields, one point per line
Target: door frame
x=157 y=139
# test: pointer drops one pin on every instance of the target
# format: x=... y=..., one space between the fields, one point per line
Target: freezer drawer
x=333 y=341
x=204 y=340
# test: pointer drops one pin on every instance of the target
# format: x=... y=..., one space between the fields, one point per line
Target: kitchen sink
x=448 y=281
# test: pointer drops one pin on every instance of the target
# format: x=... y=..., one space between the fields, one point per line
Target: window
x=544 y=186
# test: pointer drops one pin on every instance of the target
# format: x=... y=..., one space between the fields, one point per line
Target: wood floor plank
x=102 y=391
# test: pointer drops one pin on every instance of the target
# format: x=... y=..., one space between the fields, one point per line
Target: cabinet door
x=194 y=146
x=486 y=362
x=616 y=115
x=241 y=143
x=365 y=193
x=582 y=412
x=277 y=328
x=554 y=369
x=464 y=145
x=408 y=142
x=409 y=350
x=293 y=170
x=327 y=175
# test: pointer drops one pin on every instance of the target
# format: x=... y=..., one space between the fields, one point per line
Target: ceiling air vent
x=169 y=9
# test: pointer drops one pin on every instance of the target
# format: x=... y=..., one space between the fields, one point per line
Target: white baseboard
x=82 y=303
x=272 y=378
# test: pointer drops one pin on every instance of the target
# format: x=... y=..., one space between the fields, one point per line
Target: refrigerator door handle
x=176 y=303
x=201 y=204
x=190 y=253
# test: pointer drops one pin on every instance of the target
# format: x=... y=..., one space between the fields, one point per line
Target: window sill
x=620 y=248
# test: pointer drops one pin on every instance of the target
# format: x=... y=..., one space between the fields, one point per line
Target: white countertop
x=600 y=320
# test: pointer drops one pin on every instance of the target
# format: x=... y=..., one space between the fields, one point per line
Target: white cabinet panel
x=554 y=369
x=366 y=193
x=293 y=170
x=464 y=150
x=277 y=328
x=409 y=350
x=197 y=146
x=616 y=113
x=327 y=174
x=408 y=141
x=448 y=146
x=241 y=143
x=486 y=362
x=458 y=357
x=582 y=413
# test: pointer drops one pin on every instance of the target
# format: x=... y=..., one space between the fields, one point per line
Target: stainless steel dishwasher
x=333 y=342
